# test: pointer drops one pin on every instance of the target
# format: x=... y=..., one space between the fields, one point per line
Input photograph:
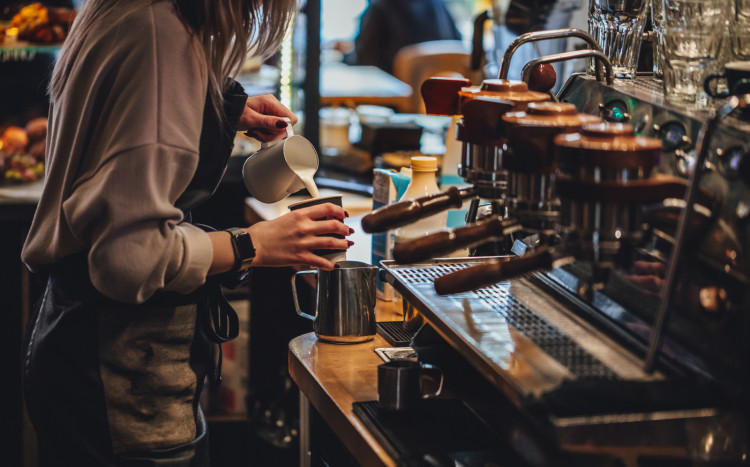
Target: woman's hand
x=290 y=239
x=263 y=118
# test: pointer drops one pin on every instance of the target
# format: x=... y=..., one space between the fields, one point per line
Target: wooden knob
x=542 y=78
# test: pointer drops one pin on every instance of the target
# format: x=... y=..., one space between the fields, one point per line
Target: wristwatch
x=244 y=251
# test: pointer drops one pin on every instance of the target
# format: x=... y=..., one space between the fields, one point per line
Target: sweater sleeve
x=140 y=157
x=127 y=214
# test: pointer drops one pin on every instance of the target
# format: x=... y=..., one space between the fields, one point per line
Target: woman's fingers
x=265 y=136
x=317 y=261
x=264 y=128
x=267 y=104
x=263 y=118
x=323 y=211
x=293 y=238
x=330 y=227
x=327 y=243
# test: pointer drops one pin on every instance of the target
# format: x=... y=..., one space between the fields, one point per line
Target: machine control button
x=730 y=160
x=615 y=111
x=673 y=135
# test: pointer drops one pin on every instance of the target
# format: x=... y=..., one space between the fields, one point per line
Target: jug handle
x=294 y=293
x=289 y=132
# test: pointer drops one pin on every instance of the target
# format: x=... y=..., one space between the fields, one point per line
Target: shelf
x=25 y=51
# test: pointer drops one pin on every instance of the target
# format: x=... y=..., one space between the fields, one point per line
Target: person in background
x=141 y=126
x=388 y=25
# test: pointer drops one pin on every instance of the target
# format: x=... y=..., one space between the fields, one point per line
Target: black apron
x=114 y=384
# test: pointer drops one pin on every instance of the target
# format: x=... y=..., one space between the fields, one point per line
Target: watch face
x=245 y=249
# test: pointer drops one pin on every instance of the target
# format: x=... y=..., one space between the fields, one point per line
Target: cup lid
x=315 y=201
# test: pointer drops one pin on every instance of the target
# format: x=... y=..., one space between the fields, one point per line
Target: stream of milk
x=307 y=179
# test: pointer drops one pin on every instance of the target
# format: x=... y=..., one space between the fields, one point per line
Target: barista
x=142 y=120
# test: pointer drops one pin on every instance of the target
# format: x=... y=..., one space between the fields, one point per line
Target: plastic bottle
x=423 y=182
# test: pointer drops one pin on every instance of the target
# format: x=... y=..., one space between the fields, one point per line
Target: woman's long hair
x=229 y=30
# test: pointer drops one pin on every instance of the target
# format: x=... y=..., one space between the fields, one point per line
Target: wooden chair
x=413 y=64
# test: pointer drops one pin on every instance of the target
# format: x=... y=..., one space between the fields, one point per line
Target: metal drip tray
x=518 y=317
x=515 y=332
x=552 y=363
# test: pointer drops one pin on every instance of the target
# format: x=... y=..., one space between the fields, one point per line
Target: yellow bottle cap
x=424 y=163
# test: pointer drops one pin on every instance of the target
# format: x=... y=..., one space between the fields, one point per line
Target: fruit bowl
x=22 y=152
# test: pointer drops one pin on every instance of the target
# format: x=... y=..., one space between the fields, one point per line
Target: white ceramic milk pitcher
x=281 y=168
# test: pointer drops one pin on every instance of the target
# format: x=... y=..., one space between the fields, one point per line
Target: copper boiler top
x=516 y=92
x=549 y=114
x=608 y=145
x=531 y=134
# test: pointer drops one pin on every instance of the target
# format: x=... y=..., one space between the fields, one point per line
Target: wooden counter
x=331 y=377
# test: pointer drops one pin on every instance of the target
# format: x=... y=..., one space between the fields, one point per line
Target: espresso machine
x=617 y=320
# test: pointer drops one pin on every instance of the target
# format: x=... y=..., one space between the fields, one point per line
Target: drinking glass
x=741 y=29
x=692 y=40
x=617 y=25
x=656 y=22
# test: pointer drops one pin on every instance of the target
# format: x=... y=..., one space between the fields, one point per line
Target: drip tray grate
x=516 y=314
x=394 y=333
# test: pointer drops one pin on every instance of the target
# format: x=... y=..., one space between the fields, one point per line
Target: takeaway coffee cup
x=737 y=75
x=345 y=302
x=332 y=255
x=400 y=384
x=281 y=168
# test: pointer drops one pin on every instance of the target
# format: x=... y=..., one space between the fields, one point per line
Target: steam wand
x=704 y=138
x=544 y=35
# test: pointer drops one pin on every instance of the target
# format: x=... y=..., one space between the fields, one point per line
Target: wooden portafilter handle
x=487 y=274
x=406 y=212
x=447 y=241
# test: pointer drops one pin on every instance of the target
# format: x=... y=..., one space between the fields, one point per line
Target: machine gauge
x=615 y=111
x=673 y=136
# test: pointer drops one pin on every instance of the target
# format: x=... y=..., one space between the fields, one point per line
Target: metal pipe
x=543 y=35
x=569 y=56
